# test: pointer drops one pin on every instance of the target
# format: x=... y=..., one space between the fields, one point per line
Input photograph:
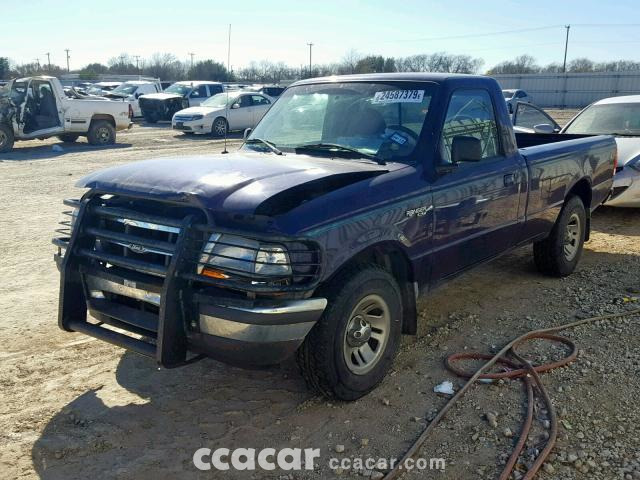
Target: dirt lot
x=72 y=407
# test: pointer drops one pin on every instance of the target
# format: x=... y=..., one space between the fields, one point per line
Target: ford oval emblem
x=137 y=248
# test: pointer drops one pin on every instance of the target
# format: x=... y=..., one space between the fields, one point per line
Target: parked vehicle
x=618 y=116
x=102 y=88
x=37 y=107
x=512 y=96
x=132 y=91
x=222 y=113
x=352 y=195
x=180 y=95
x=271 y=91
x=528 y=118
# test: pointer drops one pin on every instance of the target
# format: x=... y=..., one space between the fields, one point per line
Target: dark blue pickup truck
x=351 y=197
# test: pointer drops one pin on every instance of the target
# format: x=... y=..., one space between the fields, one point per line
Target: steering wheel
x=404 y=129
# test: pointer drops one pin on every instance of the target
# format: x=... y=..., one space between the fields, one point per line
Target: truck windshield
x=608 y=119
x=344 y=119
x=179 y=88
x=126 y=89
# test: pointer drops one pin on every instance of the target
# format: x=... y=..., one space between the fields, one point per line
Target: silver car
x=618 y=116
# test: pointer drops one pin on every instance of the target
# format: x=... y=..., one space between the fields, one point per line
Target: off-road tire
x=549 y=254
x=150 y=118
x=216 y=127
x=68 y=137
x=101 y=132
x=6 y=138
x=321 y=358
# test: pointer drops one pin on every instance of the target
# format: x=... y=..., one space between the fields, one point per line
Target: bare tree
x=522 y=64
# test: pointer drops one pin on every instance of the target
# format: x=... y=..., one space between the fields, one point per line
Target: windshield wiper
x=271 y=146
x=341 y=148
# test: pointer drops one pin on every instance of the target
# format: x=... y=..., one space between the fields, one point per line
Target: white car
x=513 y=96
x=132 y=91
x=233 y=110
x=620 y=117
x=528 y=118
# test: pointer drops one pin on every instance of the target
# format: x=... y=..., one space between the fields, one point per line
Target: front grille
x=182 y=118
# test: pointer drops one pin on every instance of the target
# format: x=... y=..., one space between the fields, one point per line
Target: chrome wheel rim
x=367 y=334
x=4 y=138
x=103 y=135
x=220 y=127
x=572 y=237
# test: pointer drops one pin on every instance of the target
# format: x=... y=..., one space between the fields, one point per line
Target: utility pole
x=229 y=52
x=137 y=57
x=67 y=50
x=191 y=55
x=48 y=62
x=310 y=47
x=566 y=46
x=38 y=63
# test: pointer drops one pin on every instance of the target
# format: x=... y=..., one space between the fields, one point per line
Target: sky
x=280 y=31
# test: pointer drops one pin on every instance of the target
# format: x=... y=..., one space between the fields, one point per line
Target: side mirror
x=247 y=132
x=235 y=105
x=544 y=128
x=466 y=149
x=138 y=95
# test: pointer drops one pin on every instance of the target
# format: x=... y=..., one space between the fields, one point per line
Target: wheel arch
x=582 y=189
x=391 y=256
x=103 y=116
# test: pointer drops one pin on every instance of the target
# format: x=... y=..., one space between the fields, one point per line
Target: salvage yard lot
x=72 y=407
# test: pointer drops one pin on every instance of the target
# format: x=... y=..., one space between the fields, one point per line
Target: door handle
x=509 y=180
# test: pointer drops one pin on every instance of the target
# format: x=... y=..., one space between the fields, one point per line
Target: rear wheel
x=151 y=118
x=68 y=137
x=101 y=132
x=220 y=126
x=351 y=348
x=559 y=253
x=6 y=138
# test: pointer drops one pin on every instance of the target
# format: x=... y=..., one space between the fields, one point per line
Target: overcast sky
x=96 y=31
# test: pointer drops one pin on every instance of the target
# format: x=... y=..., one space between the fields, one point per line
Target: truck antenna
x=226 y=127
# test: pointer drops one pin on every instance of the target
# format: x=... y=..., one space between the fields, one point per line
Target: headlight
x=197 y=117
x=232 y=253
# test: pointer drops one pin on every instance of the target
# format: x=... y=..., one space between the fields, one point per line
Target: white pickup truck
x=37 y=107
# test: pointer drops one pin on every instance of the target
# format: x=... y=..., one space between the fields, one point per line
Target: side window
x=244 y=101
x=215 y=89
x=521 y=94
x=200 y=92
x=528 y=116
x=470 y=115
x=259 y=100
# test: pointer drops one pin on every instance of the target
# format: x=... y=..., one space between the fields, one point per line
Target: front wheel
x=351 y=348
x=559 y=253
x=6 y=138
x=219 y=127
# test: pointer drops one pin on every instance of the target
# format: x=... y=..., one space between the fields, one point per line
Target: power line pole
x=67 y=50
x=229 y=52
x=38 y=63
x=310 y=47
x=48 y=62
x=137 y=57
x=191 y=55
x=566 y=46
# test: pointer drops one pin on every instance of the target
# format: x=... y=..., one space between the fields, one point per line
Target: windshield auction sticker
x=399 y=96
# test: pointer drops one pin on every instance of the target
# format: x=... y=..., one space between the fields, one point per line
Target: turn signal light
x=210 y=272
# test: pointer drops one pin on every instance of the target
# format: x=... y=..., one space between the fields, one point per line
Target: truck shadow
x=617 y=221
x=47 y=151
x=149 y=422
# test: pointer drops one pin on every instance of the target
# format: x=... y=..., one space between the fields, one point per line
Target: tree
x=209 y=70
x=123 y=65
x=522 y=64
x=165 y=66
x=349 y=62
x=580 y=65
x=4 y=67
x=439 y=62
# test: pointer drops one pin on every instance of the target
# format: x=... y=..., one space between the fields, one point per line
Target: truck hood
x=162 y=96
x=242 y=182
x=628 y=149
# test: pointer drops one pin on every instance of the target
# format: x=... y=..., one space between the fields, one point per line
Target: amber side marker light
x=210 y=272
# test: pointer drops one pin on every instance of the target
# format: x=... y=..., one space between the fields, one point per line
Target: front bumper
x=626 y=189
x=195 y=126
x=170 y=316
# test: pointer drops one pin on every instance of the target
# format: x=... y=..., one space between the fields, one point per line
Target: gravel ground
x=72 y=407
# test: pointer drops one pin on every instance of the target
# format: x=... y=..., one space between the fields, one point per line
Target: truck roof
x=198 y=82
x=406 y=77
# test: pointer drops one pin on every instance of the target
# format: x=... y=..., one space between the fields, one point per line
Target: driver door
x=41 y=112
x=198 y=95
x=241 y=113
x=529 y=116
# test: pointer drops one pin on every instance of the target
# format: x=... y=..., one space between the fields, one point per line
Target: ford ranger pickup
x=37 y=107
x=351 y=197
